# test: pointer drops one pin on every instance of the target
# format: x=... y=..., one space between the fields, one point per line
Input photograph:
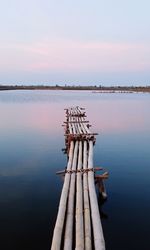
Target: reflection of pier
x=78 y=223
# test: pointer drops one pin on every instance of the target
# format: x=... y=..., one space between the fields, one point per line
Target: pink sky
x=75 y=42
x=76 y=56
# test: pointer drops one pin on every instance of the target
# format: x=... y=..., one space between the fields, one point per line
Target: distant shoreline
x=94 y=89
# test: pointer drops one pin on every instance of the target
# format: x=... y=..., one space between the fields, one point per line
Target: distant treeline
x=67 y=87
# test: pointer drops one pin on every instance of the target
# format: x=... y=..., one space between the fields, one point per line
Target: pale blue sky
x=75 y=42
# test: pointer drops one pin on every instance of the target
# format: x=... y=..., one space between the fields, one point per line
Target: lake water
x=31 y=142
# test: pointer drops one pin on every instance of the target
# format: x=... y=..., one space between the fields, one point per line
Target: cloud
x=76 y=56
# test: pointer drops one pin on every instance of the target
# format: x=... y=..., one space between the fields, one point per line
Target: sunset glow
x=52 y=42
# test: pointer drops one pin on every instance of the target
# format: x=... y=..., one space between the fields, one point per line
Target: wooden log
x=79 y=109
x=102 y=176
x=82 y=125
x=79 y=115
x=79 y=128
x=87 y=129
x=87 y=219
x=99 y=242
x=85 y=126
x=73 y=127
x=61 y=172
x=97 y=168
x=91 y=134
x=80 y=112
x=80 y=122
x=68 y=239
x=70 y=127
x=82 y=119
x=57 y=235
x=79 y=204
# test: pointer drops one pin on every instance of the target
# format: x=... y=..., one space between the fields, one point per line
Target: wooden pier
x=78 y=224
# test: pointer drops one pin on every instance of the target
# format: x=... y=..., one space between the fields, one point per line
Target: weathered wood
x=102 y=176
x=56 y=241
x=79 y=204
x=86 y=134
x=87 y=219
x=76 y=122
x=78 y=208
x=99 y=242
x=97 y=168
x=61 y=172
x=68 y=238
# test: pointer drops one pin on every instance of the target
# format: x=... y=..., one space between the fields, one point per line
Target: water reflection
x=30 y=154
x=109 y=113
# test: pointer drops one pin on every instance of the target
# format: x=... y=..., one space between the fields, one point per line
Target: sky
x=80 y=42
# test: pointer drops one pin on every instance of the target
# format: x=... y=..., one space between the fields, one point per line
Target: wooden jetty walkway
x=78 y=224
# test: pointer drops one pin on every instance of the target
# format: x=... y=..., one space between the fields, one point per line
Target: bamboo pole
x=75 y=120
x=68 y=239
x=79 y=128
x=70 y=125
x=96 y=222
x=57 y=235
x=70 y=119
x=74 y=129
x=87 y=220
x=82 y=126
x=85 y=126
x=70 y=129
x=85 y=191
x=73 y=125
x=79 y=204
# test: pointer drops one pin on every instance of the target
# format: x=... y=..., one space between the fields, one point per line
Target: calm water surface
x=31 y=139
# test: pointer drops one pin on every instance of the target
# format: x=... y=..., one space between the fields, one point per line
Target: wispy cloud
x=77 y=56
